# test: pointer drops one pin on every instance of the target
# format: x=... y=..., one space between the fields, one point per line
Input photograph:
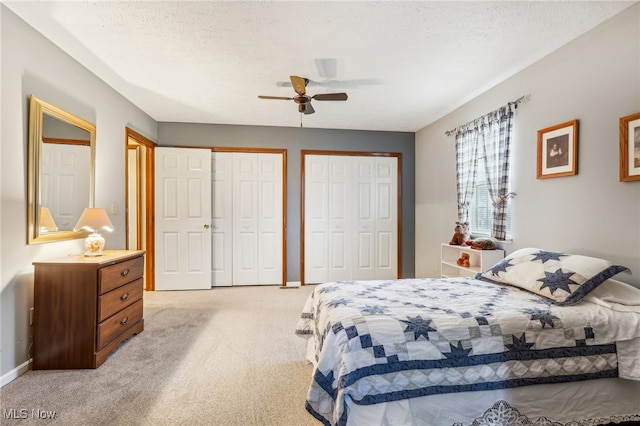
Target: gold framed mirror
x=61 y=172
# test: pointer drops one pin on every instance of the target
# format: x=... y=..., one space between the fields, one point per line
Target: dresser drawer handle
x=124 y=297
x=125 y=272
x=124 y=321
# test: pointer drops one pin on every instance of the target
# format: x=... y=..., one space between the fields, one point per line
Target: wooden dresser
x=85 y=307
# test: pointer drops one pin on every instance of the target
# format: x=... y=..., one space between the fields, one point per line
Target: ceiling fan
x=302 y=99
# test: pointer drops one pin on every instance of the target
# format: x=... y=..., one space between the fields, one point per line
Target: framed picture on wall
x=630 y=148
x=558 y=150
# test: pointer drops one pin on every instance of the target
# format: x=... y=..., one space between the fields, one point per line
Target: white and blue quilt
x=381 y=341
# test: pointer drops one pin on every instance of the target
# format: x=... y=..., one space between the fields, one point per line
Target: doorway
x=139 y=199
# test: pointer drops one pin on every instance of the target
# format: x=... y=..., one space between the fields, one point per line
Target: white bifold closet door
x=247 y=218
x=351 y=218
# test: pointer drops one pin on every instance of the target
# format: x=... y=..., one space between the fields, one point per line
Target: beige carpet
x=227 y=356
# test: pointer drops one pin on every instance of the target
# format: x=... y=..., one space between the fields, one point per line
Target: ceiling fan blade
x=330 y=97
x=299 y=84
x=284 y=98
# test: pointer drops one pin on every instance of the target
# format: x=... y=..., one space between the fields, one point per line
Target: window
x=483 y=150
x=481 y=208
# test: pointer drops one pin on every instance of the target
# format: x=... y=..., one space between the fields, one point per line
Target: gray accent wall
x=294 y=140
x=594 y=79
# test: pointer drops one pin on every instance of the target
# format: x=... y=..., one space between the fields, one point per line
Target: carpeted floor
x=227 y=356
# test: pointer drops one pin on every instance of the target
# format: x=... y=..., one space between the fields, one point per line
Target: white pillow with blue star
x=562 y=278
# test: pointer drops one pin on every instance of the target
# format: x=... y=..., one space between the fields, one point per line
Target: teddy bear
x=458 y=238
x=464 y=260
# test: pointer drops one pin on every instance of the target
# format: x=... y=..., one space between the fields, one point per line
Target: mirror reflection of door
x=139 y=200
x=65 y=183
x=65 y=174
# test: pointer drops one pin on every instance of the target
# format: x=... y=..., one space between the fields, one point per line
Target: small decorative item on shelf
x=452 y=260
x=460 y=234
x=482 y=244
x=94 y=220
x=464 y=260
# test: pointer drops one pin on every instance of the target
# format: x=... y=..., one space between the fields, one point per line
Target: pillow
x=616 y=295
x=562 y=278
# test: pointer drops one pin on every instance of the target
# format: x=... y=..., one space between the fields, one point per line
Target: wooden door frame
x=306 y=152
x=149 y=224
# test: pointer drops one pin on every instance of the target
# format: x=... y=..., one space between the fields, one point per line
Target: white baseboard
x=15 y=373
x=293 y=283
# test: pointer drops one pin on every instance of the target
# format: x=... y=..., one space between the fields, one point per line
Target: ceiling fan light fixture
x=302 y=99
x=306 y=108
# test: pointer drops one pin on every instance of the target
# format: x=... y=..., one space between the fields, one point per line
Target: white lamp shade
x=94 y=220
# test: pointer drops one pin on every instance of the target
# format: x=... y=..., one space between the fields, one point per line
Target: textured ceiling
x=403 y=64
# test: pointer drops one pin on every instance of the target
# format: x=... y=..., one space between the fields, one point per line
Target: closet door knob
x=206 y=226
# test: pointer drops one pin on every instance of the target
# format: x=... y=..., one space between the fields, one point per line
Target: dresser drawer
x=114 y=276
x=117 y=324
x=120 y=298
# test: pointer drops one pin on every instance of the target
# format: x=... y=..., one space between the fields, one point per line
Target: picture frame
x=558 y=150
x=630 y=148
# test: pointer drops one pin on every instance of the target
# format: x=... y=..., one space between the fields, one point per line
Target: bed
x=541 y=338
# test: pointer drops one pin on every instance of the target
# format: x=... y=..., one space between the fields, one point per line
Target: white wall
x=30 y=64
x=595 y=79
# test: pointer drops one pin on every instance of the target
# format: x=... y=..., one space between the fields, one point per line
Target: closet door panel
x=270 y=214
x=316 y=262
x=357 y=237
x=245 y=219
x=364 y=218
x=339 y=223
x=386 y=217
x=221 y=219
x=316 y=225
x=245 y=261
x=384 y=255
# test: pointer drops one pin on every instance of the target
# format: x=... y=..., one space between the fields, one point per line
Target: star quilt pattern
x=379 y=341
x=562 y=278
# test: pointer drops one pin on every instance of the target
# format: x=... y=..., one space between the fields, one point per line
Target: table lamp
x=94 y=220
